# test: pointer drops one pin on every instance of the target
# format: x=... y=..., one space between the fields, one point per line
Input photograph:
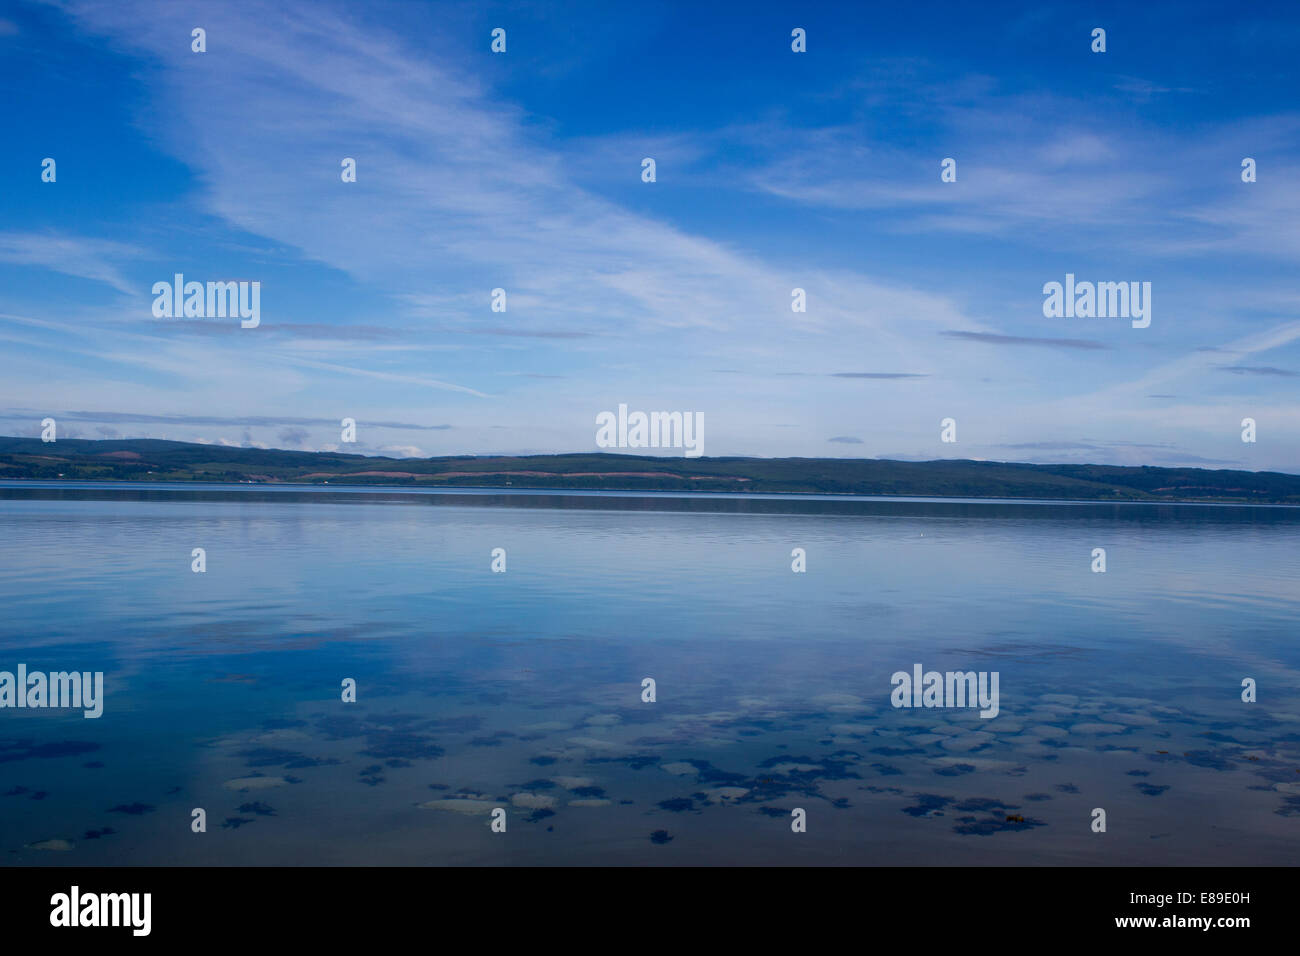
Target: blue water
x=522 y=690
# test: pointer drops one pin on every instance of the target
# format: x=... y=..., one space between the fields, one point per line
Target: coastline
x=171 y=484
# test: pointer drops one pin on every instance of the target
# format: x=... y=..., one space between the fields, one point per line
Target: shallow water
x=522 y=689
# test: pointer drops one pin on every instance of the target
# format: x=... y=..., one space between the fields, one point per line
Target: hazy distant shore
x=151 y=460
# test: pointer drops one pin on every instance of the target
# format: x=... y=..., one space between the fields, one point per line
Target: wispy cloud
x=142 y=418
x=992 y=338
x=879 y=375
x=1259 y=370
x=94 y=259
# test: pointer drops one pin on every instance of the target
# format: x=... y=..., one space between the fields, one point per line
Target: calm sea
x=523 y=689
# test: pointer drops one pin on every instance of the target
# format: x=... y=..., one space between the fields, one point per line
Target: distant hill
x=152 y=460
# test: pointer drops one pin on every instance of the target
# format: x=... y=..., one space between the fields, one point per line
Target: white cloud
x=70 y=255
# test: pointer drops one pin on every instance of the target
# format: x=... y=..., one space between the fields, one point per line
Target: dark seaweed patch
x=640 y=761
x=268 y=756
x=1151 y=790
x=827 y=768
x=258 y=807
x=955 y=770
x=1209 y=759
x=677 y=804
x=1290 y=807
x=457 y=725
x=768 y=787
x=927 y=805
x=133 y=809
x=401 y=743
x=278 y=757
x=635 y=761
x=27 y=750
x=996 y=825
x=340 y=726
x=660 y=837
x=397 y=719
x=976 y=804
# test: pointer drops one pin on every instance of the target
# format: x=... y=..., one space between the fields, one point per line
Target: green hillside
x=151 y=460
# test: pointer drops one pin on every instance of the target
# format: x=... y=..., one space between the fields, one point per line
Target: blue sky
x=775 y=170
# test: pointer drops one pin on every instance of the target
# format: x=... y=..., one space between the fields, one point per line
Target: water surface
x=522 y=689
